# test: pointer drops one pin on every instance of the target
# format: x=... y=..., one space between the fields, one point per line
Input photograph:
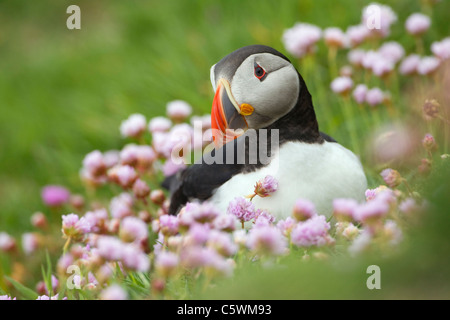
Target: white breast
x=318 y=172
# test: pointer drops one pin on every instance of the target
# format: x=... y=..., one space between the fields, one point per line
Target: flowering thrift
x=301 y=39
x=242 y=209
x=74 y=226
x=55 y=196
x=266 y=240
x=134 y=126
x=417 y=24
x=265 y=187
x=312 y=232
x=178 y=110
x=391 y=177
x=342 y=85
x=303 y=210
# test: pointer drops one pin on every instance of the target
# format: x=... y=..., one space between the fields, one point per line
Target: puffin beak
x=227 y=117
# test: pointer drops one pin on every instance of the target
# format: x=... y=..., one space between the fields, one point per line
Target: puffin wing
x=327 y=137
x=199 y=181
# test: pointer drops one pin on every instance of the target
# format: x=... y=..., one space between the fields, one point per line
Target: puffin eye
x=260 y=73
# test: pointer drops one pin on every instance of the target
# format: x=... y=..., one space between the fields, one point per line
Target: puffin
x=264 y=124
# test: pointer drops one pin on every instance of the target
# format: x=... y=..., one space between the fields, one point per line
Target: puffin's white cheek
x=277 y=95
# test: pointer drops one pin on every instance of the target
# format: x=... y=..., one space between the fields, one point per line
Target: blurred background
x=63 y=93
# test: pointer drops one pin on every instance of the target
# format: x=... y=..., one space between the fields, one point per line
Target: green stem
x=350 y=123
x=66 y=245
x=332 y=51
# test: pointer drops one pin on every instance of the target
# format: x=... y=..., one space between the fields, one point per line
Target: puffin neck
x=300 y=124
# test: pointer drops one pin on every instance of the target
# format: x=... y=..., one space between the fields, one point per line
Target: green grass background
x=64 y=92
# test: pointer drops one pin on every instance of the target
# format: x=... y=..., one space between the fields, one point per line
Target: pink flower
x=391 y=177
x=312 y=232
x=242 y=209
x=170 y=168
x=6 y=297
x=157 y=196
x=286 y=226
x=93 y=162
x=409 y=64
x=195 y=257
x=351 y=232
x=201 y=212
x=428 y=142
x=263 y=217
x=303 y=210
x=266 y=240
x=166 y=263
x=417 y=24
x=178 y=110
x=382 y=66
x=123 y=175
x=159 y=124
x=301 y=39
x=392 y=232
x=221 y=242
x=359 y=93
x=369 y=58
x=39 y=220
x=114 y=292
x=30 y=242
x=168 y=225
x=409 y=206
x=197 y=234
x=75 y=227
x=361 y=242
x=266 y=186
x=374 y=96
x=392 y=51
x=133 y=258
x=225 y=222
x=335 y=37
x=121 y=206
x=428 y=65
x=356 y=56
x=141 y=189
x=374 y=13
x=141 y=156
x=441 y=49
x=372 y=193
x=357 y=34
x=133 y=229
x=111 y=158
x=134 y=126
x=110 y=248
x=342 y=85
x=343 y=209
x=7 y=243
x=371 y=211
x=55 y=196
x=64 y=262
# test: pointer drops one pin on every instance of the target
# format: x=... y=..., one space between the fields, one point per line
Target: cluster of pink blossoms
x=377 y=21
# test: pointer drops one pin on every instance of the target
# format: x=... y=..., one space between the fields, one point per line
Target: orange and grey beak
x=227 y=116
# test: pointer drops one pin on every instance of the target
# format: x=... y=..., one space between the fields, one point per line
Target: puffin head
x=254 y=86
